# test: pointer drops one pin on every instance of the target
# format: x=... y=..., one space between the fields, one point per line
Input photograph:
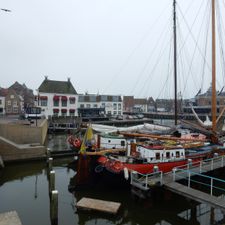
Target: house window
x=0 y=102
x=95 y=106
x=114 y=106
x=119 y=112
x=63 y=112
x=114 y=112
x=8 y=110
x=88 y=106
x=119 y=106
x=177 y=154
x=15 y=109
x=9 y=103
x=64 y=103
x=44 y=102
x=56 y=103
x=72 y=100
x=103 y=105
x=11 y=96
x=81 y=105
x=55 y=112
x=15 y=103
x=72 y=112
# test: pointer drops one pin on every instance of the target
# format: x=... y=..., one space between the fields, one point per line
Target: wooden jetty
x=169 y=181
x=10 y=218
x=216 y=202
x=98 y=205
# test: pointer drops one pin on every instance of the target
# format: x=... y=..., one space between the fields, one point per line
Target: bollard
x=51 y=182
x=54 y=207
x=189 y=163
x=48 y=153
x=155 y=169
x=50 y=162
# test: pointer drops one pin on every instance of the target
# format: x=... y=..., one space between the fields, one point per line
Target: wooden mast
x=175 y=61
x=213 y=69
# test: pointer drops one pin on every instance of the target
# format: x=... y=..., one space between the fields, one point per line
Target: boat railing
x=143 y=181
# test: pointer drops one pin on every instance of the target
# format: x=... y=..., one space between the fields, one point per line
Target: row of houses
x=59 y=98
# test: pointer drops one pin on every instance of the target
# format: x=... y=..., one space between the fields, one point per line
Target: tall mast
x=175 y=61
x=213 y=68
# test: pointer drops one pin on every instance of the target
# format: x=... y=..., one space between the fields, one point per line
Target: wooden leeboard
x=99 y=205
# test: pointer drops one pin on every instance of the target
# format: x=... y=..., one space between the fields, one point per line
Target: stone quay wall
x=25 y=133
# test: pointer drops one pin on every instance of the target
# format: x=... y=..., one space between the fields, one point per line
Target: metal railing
x=144 y=180
x=209 y=181
x=200 y=165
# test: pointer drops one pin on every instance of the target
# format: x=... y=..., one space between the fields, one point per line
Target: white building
x=107 y=104
x=58 y=98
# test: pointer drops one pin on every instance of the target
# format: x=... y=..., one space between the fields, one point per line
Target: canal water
x=24 y=188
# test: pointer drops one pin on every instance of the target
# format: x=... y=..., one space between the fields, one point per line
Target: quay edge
x=21 y=141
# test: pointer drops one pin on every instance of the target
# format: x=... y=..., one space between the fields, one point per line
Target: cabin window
x=167 y=155
x=122 y=143
x=157 y=155
x=109 y=141
x=172 y=154
x=182 y=153
x=177 y=154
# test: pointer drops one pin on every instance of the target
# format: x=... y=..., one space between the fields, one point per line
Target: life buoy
x=70 y=139
x=103 y=160
x=77 y=143
x=117 y=166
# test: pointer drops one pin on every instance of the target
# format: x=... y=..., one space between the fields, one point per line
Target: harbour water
x=24 y=188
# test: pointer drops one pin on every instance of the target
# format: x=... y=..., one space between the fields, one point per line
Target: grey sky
x=104 y=46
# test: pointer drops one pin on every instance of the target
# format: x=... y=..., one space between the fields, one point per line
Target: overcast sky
x=105 y=46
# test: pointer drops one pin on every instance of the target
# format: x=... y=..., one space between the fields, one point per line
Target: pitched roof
x=53 y=86
x=3 y=92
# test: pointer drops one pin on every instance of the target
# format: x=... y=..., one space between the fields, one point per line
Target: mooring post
x=48 y=152
x=54 y=207
x=51 y=181
x=50 y=162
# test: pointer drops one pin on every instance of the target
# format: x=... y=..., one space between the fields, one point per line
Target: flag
x=87 y=140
